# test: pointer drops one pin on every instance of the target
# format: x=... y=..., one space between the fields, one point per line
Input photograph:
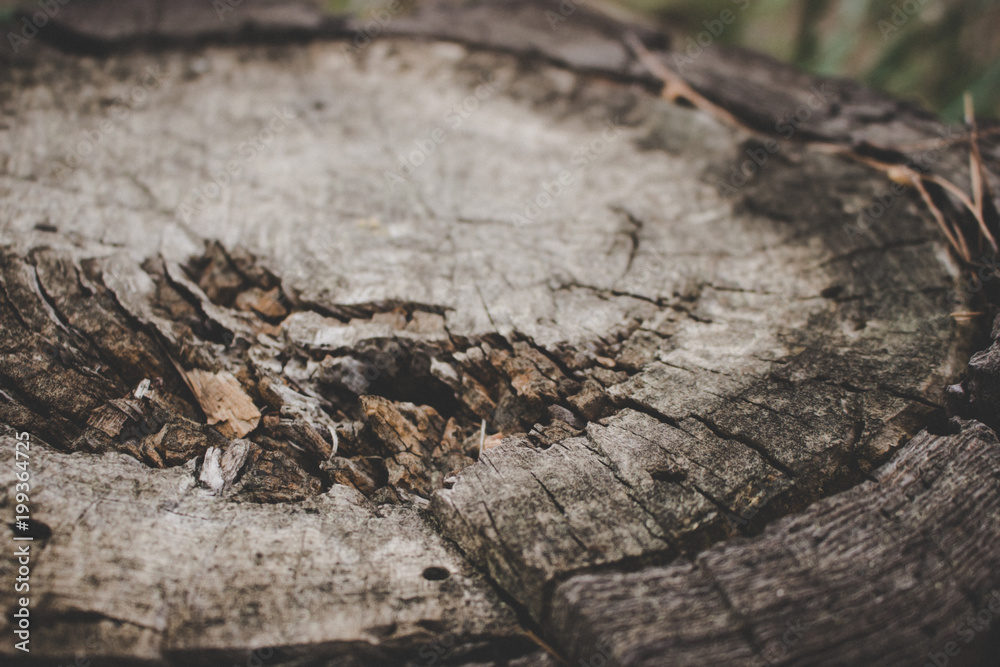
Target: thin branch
x=957 y=240
x=980 y=188
x=674 y=87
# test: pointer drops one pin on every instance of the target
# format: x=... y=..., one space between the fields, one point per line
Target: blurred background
x=930 y=51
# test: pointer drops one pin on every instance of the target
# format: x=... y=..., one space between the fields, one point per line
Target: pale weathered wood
x=487 y=302
x=144 y=564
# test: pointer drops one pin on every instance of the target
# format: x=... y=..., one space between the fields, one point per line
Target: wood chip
x=220 y=470
x=224 y=402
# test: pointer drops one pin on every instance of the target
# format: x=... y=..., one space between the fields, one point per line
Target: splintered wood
x=360 y=440
x=225 y=403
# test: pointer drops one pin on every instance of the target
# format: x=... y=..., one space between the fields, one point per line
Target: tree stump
x=464 y=346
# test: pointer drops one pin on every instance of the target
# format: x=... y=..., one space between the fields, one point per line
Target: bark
x=465 y=344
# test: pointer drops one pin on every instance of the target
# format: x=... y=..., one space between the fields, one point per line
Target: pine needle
x=980 y=189
x=675 y=88
x=545 y=647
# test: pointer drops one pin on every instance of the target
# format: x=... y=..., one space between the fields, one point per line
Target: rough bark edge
x=904 y=559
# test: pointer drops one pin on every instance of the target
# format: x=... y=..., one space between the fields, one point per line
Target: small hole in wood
x=670 y=476
x=35 y=529
x=436 y=574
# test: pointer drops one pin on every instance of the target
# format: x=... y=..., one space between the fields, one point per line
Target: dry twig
x=979 y=204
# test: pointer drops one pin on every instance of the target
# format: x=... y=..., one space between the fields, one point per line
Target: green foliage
x=930 y=50
x=340 y=6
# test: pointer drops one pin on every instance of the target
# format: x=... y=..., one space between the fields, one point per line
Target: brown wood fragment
x=274 y=477
x=738 y=357
x=108 y=419
x=224 y=401
x=266 y=303
x=403 y=427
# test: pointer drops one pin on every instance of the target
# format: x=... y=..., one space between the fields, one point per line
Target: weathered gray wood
x=979 y=395
x=144 y=564
x=667 y=363
x=886 y=573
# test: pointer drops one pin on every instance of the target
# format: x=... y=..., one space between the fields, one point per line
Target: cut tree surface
x=202 y=580
x=418 y=340
x=888 y=572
